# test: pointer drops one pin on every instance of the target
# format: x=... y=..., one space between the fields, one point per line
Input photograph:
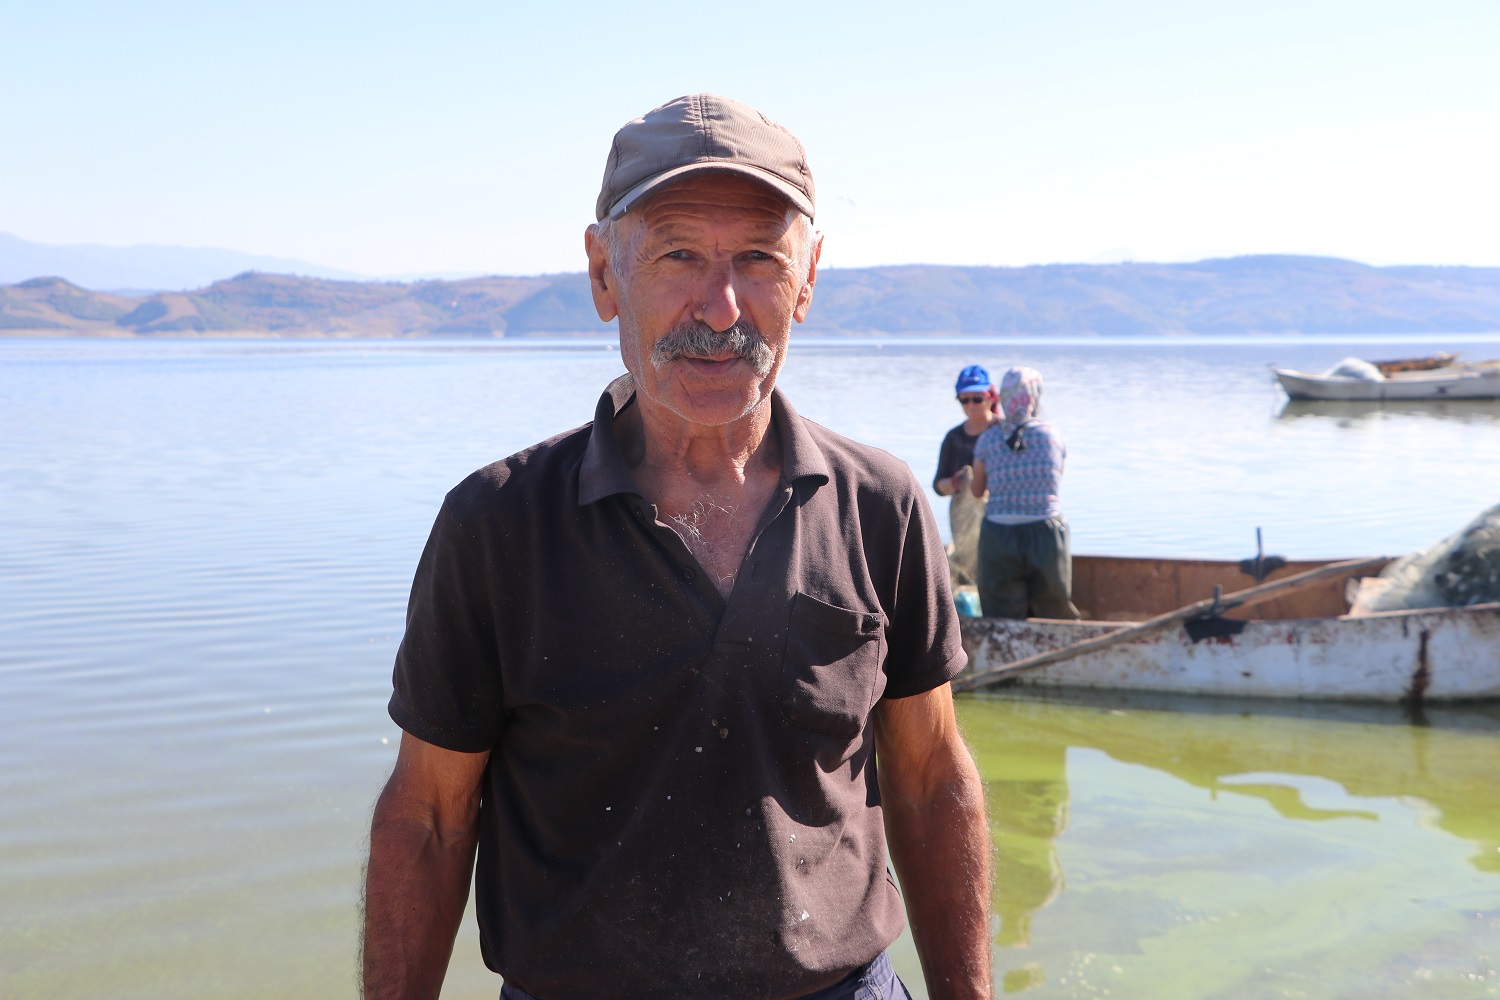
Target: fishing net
x=965 y=512
x=1461 y=570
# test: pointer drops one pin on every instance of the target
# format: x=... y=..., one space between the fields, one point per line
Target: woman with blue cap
x=1025 y=562
x=976 y=394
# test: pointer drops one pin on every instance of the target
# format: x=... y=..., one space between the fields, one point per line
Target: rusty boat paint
x=1292 y=649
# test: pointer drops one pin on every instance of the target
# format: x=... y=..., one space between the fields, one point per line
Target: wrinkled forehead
x=715 y=197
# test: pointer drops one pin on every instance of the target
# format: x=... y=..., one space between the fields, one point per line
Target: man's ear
x=601 y=277
x=805 y=293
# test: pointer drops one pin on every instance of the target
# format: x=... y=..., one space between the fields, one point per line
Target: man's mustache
x=699 y=340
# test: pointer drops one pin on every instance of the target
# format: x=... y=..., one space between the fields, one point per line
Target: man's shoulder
x=860 y=465
x=545 y=470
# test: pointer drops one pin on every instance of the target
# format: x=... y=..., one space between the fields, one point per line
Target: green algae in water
x=1195 y=850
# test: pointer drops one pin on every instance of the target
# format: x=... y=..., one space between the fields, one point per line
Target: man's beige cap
x=702 y=132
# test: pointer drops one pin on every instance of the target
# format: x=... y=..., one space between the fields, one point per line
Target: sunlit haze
x=387 y=138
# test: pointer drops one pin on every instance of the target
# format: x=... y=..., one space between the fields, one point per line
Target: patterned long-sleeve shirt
x=1023 y=483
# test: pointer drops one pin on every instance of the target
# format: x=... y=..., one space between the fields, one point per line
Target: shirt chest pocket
x=831 y=668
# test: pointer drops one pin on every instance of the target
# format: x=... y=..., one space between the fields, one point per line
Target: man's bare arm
x=422 y=842
x=939 y=840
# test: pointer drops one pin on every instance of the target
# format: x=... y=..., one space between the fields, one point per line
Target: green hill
x=1265 y=294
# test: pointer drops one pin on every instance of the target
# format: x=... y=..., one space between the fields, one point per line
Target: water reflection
x=1202 y=819
x=1351 y=413
x=1028 y=811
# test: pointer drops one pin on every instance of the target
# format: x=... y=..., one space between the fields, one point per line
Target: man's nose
x=718 y=303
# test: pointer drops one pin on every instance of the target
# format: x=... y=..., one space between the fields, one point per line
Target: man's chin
x=711 y=403
x=714 y=412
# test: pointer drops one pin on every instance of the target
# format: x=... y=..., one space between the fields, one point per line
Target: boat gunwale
x=1396 y=613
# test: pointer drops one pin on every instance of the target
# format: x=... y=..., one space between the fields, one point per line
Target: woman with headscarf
x=977 y=395
x=1025 y=566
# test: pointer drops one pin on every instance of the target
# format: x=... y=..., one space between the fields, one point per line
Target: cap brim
x=796 y=198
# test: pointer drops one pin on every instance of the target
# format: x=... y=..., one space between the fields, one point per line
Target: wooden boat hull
x=1441 y=654
x=1458 y=382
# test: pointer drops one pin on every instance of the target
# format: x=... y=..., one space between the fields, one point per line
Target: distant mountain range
x=145 y=267
x=1263 y=294
x=148 y=267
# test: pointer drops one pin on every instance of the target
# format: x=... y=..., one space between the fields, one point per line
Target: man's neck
x=710 y=484
x=659 y=445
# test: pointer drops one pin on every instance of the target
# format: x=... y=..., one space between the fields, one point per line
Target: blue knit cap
x=972 y=379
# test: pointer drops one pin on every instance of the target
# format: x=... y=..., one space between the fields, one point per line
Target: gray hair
x=607 y=231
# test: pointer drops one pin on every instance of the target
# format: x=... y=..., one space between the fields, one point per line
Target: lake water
x=205 y=548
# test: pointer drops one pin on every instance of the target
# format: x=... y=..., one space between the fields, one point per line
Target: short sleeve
x=447 y=677
x=925 y=647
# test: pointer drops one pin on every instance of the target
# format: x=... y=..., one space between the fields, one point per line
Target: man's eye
x=678 y=255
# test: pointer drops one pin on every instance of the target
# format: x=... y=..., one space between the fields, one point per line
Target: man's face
x=712 y=272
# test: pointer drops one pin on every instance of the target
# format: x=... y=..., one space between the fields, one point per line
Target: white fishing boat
x=1301 y=644
x=1442 y=377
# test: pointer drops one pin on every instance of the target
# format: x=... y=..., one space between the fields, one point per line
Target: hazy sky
x=391 y=138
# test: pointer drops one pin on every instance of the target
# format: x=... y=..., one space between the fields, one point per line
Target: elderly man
x=677 y=675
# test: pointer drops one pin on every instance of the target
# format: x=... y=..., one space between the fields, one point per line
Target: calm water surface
x=204 y=555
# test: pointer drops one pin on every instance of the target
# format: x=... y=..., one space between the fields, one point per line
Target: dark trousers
x=876 y=981
x=1026 y=570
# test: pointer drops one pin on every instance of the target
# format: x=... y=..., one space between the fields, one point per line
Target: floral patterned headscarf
x=1020 y=394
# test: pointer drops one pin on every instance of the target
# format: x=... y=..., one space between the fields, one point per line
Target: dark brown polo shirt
x=681 y=798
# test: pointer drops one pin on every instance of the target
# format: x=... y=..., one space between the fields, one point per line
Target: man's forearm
x=416 y=886
x=941 y=849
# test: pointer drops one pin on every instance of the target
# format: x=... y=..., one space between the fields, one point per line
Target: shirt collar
x=604 y=472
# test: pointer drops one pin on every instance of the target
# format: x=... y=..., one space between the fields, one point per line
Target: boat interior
x=1424 y=367
x=1389 y=368
x=1124 y=589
